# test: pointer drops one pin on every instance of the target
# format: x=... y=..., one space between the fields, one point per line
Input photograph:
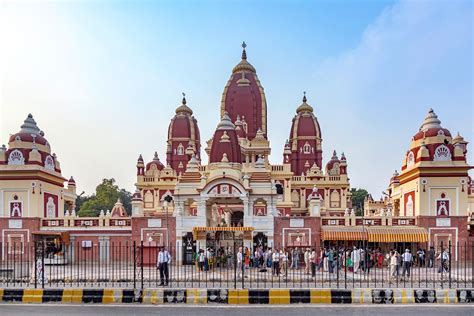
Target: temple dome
x=29 y=146
x=225 y=143
x=155 y=162
x=183 y=138
x=431 y=143
x=304 y=141
x=244 y=97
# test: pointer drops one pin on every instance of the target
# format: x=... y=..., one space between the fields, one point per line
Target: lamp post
x=167 y=200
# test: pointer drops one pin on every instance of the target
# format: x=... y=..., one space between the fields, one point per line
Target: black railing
x=134 y=265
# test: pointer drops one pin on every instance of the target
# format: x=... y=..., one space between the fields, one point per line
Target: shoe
x=161 y=284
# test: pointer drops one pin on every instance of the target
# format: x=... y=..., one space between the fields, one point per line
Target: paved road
x=284 y=310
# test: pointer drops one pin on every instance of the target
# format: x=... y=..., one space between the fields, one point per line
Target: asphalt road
x=198 y=310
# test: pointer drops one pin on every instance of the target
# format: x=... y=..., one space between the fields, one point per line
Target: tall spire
x=184 y=97
x=183 y=108
x=244 y=53
x=304 y=107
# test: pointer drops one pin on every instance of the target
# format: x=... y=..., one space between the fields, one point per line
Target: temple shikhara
x=239 y=195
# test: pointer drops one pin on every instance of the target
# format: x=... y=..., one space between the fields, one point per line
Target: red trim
x=59 y=184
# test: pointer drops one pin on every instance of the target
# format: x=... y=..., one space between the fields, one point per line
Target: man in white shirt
x=239 y=262
x=276 y=262
x=407 y=259
x=163 y=260
x=355 y=257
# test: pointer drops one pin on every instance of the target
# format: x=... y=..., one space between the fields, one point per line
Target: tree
x=358 y=197
x=106 y=195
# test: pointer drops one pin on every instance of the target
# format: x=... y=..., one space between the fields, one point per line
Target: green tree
x=106 y=195
x=358 y=196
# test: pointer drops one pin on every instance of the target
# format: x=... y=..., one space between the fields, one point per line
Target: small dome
x=29 y=133
x=156 y=161
x=71 y=181
x=137 y=196
x=118 y=210
x=225 y=143
x=183 y=138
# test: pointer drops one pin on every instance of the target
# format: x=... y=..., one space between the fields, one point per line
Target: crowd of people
x=357 y=260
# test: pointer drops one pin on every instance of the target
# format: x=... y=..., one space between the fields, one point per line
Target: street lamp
x=167 y=200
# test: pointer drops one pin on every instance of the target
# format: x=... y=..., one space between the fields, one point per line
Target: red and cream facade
x=300 y=202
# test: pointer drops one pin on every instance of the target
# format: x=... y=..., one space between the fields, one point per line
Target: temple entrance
x=189 y=244
x=260 y=240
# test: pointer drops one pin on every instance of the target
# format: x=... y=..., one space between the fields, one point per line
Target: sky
x=103 y=78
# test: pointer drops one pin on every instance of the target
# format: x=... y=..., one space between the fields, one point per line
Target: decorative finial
x=184 y=97
x=304 y=96
x=244 y=53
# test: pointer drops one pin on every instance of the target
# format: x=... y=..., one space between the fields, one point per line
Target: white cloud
x=373 y=98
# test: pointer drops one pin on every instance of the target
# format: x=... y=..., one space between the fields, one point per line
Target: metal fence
x=133 y=265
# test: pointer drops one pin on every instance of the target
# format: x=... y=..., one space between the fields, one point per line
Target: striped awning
x=397 y=234
x=343 y=233
x=221 y=229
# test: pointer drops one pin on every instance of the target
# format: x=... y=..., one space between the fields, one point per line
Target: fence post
x=42 y=265
x=134 y=265
x=35 y=264
x=141 y=263
x=235 y=262
x=449 y=261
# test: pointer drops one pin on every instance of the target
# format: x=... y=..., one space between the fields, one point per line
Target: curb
x=240 y=296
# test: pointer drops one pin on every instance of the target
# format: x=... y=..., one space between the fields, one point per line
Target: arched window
x=409 y=206
x=442 y=153
x=49 y=163
x=180 y=150
x=410 y=159
x=335 y=198
x=306 y=148
x=295 y=198
x=16 y=158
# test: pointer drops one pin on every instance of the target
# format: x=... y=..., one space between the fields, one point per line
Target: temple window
x=16 y=158
x=180 y=150
x=442 y=153
x=410 y=159
x=307 y=148
x=49 y=163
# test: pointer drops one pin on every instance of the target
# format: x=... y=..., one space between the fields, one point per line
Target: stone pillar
x=104 y=248
x=72 y=249
x=315 y=207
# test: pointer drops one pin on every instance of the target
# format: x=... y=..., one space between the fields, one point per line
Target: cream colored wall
x=33 y=204
x=453 y=190
x=425 y=202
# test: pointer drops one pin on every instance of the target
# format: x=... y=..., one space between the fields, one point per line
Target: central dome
x=243 y=98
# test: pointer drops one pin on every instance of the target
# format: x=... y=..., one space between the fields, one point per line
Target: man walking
x=355 y=257
x=407 y=260
x=164 y=259
x=431 y=257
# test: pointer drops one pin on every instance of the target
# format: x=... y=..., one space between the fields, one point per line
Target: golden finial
x=244 y=53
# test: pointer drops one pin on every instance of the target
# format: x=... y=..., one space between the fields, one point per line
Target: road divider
x=240 y=296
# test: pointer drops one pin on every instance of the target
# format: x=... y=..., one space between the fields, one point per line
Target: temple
x=187 y=205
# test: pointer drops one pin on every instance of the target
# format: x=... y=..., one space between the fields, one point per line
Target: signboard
x=443 y=222
x=15 y=223
x=297 y=222
x=154 y=222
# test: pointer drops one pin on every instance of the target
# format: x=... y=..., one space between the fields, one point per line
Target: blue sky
x=103 y=78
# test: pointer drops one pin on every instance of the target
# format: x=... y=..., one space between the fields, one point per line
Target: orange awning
x=226 y=229
x=397 y=234
x=343 y=233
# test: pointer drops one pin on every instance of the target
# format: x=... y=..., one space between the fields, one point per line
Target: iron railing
x=133 y=265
